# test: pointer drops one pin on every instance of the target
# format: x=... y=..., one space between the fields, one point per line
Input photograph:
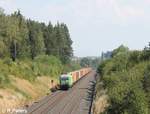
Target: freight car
x=67 y=80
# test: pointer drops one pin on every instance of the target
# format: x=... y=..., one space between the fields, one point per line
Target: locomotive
x=67 y=80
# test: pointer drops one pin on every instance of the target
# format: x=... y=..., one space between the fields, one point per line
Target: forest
x=29 y=48
x=32 y=55
x=22 y=38
x=126 y=79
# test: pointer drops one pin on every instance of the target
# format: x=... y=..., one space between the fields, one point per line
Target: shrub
x=4 y=80
x=47 y=65
x=127 y=81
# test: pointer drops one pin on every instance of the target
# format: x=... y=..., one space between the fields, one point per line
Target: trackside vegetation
x=22 y=38
x=29 y=49
x=32 y=54
x=30 y=70
x=126 y=80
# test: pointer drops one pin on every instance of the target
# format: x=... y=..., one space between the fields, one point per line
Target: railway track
x=38 y=105
x=73 y=101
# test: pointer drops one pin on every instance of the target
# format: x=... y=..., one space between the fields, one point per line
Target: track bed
x=76 y=100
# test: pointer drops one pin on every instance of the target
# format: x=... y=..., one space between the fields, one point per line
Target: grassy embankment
x=24 y=81
x=124 y=87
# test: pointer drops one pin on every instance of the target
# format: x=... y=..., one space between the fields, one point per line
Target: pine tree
x=48 y=38
x=36 y=40
x=23 y=34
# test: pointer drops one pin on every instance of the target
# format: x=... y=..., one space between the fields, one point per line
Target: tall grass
x=28 y=69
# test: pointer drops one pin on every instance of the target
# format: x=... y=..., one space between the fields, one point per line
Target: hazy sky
x=95 y=25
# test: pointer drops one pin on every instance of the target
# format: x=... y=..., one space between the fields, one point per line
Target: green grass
x=4 y=80
x=29 y=69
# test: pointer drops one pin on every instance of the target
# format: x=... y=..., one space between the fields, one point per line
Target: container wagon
x=67 y=80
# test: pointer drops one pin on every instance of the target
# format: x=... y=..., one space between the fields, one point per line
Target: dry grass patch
x=100 y=104
x=23 y=92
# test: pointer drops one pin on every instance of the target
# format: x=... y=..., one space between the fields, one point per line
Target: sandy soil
x=23 y=93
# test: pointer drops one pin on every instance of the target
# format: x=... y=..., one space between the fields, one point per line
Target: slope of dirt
x=101 y=100
x=23 y=92
x=100 y=104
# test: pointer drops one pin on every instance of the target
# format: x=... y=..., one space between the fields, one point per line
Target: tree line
x=126 y=77
x=22 y=38
x=90 y=62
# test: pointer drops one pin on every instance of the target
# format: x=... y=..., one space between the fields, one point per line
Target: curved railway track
x=73 y=101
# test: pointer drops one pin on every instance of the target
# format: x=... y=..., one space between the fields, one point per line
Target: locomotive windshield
x=64 y=78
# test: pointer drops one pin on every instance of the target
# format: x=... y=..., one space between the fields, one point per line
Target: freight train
x=67 y=80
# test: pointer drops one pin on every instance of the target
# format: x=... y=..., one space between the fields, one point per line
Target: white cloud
x=97 y=21
x=124 y=13
x=8 y=5
x=85 y=9
x=147 y=1
x=102 y=9
x=132 y=12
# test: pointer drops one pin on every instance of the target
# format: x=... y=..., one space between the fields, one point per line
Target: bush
x=4 y=80
x=47 y=65
x=71 y=67
x=127 y=81
x=29 y=70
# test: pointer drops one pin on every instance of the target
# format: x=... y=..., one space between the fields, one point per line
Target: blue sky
x=95 y=25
